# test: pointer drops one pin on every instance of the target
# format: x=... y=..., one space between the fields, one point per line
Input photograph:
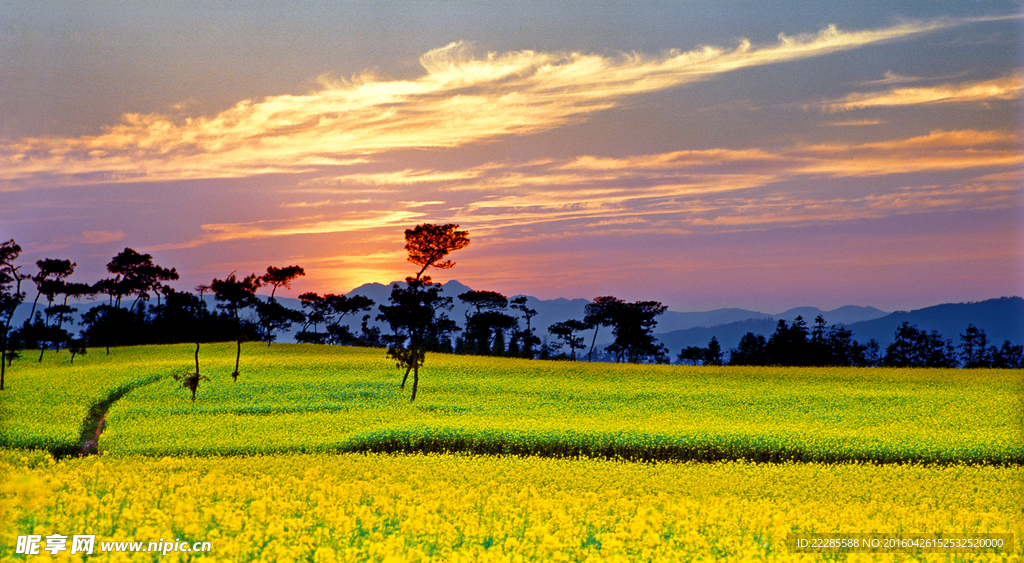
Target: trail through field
x=94 y=422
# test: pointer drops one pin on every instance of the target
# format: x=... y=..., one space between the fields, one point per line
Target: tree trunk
x=3 y=365
x=415 y=380
x=238 y=357
x=590 y=356
x=197 y=358
x=407 y=370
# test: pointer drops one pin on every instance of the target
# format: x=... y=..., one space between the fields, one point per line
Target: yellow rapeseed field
x=376 y=507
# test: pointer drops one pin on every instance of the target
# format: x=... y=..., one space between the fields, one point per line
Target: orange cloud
x=1004 y=88
x=460 y=99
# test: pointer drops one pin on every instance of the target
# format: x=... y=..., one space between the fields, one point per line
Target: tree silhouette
x=600 y=313
x=752 y=350
x=416 y=317
x=789 y=345
x=275 y=317
x=713 y=353
x=413 y=310
x=10 y=297
x=566 y=332
x=339 y=307
x=527 y=337
x=49 y=282
x=1008 y=356
x=281 y=277
x=330 y=310
x=974 y=351
x=427 y=244
x=485 y=320
x=77 y=348
x=136 y=274
x=272 y=315
x=912 y=347
x=236 y=295
x=634 y=332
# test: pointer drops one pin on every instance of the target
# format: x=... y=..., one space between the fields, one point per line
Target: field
x=315 y=454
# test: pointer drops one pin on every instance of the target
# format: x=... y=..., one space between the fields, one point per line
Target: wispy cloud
x=1009 y=87
x=99 y=237
x=682 y=191
x=460 y=99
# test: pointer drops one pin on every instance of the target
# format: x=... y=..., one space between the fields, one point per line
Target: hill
x=1002 y=319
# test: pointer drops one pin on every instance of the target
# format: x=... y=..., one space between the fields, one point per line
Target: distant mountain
x=844 y=315
x=728 y=335
x=1002 y=319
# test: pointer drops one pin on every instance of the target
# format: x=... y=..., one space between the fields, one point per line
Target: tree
x=10 y=297
x=713 y=353
x=486 y=321
x=77 y=348
x=236 y=295
x=416 y=317
x=274 y=317
x=634 y=332
x=427 y=244
x=316 y=310
x=527 y=337
x=912 y=347
x=136 y=274
x=49 y=282
x=600 y=313
x=789 y=345
x=339 y=307
x=974 y=349
x=752 y=350
x=692 y=354
x=281 y=277
x=566 y=332
x=413 y=310
x=330 y=310
x=1008 y=356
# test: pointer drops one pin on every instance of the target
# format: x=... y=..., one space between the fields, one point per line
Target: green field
x=302 y=398
x=315 y=454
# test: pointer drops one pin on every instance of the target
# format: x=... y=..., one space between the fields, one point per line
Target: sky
x=705 y=154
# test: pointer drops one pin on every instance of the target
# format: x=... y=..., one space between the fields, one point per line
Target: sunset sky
x=705 y=154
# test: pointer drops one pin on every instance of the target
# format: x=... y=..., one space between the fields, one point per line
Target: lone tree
x=235 y=295
x=10 y=297
x=413 y=310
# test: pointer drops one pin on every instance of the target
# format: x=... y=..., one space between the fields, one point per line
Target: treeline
x=493 y=324
x=796 y=345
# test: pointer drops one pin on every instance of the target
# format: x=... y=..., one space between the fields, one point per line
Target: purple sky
x=704 y=154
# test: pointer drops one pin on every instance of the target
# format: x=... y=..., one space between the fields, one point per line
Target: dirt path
x=96 y=419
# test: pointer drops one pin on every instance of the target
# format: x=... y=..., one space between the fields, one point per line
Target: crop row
x=302 y=398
